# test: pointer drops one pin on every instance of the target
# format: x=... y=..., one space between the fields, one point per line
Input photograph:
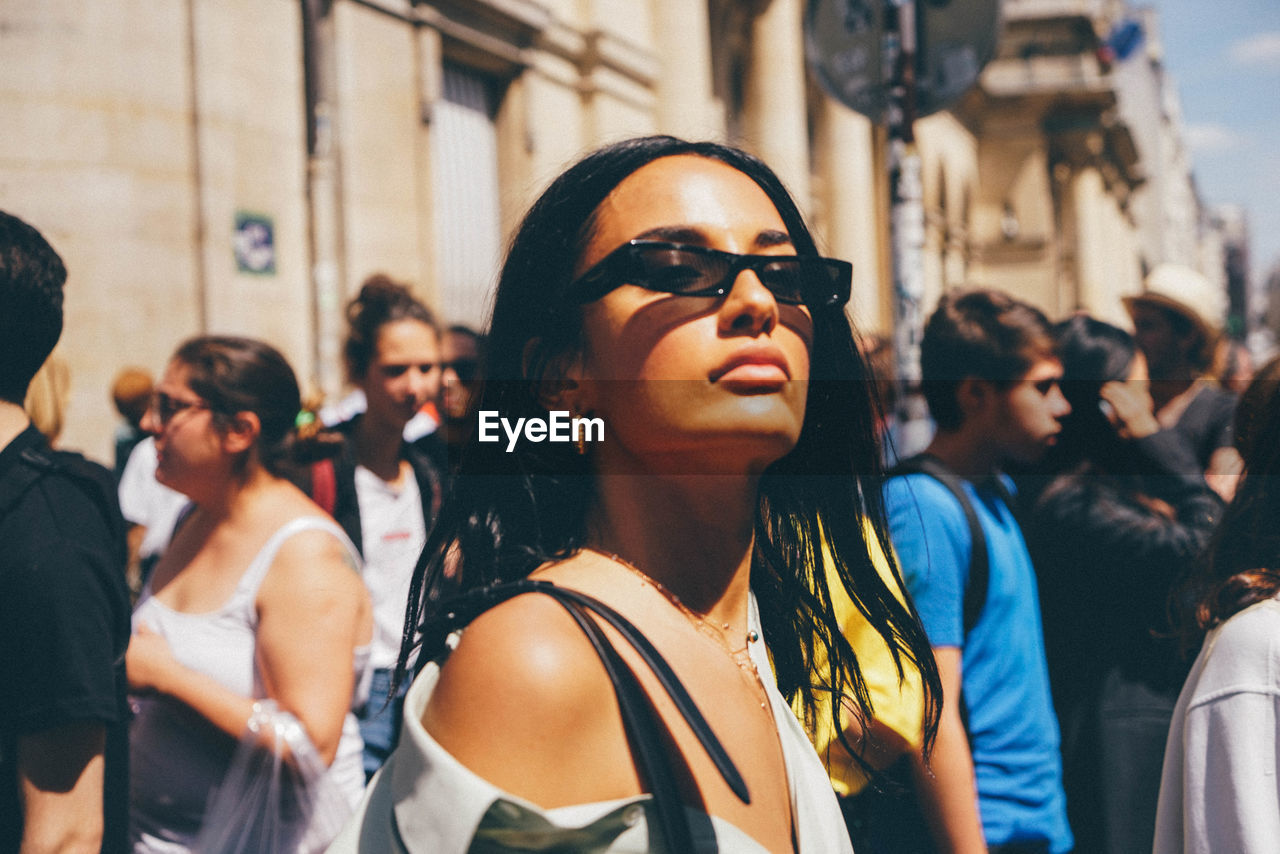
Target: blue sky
x=1224 y=56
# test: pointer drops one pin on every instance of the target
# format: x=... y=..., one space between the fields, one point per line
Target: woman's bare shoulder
x=314 y=568
x=524 y=702
x=532 y=648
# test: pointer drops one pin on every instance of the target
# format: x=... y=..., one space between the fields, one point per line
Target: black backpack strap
x=94 y=481
x=643 y=727
x=996 y=482
x=31 y=466
x=975 y=589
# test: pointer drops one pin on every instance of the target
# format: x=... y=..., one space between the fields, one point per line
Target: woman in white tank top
x=258 y=596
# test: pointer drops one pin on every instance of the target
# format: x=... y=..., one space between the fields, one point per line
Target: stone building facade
x=241 y=165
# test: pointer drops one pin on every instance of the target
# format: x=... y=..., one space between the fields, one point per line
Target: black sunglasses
x=696 y=271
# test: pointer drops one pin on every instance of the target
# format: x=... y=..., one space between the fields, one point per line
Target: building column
x=776 y=123
x=684 y=102
x=854 y=212
x=324 y=196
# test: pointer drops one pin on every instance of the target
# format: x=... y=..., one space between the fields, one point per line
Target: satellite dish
x=845 y=45
x=957 y=38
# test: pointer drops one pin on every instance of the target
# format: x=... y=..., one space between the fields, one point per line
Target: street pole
x=906 y=219
x=324 y=196
x=895 y=61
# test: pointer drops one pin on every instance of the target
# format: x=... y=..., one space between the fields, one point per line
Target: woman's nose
x=150 y=422
x=749 y=306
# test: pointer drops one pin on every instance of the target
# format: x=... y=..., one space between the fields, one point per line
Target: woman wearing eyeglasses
x=383 y=490
x=257 y=597
x=672 y=291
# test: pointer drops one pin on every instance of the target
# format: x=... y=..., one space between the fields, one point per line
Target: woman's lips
x=754 y=375
x=763 y=369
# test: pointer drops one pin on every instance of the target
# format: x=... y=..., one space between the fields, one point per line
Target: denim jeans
x=380 y=721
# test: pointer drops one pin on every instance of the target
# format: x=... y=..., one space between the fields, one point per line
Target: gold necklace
x=719 y=634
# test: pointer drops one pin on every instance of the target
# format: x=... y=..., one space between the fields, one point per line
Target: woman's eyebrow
x=772 y=237
x=674 y=234
x=696 y=237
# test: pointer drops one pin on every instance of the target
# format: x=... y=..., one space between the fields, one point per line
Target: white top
x=1220 y=790
x=147 y=502
x=176 y=756
x=424 y=801
x=355 y=402
x=393 y=532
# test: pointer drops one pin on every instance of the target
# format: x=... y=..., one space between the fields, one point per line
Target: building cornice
x=598 y=50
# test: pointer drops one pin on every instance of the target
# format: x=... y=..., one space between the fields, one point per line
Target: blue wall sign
x=255 y=244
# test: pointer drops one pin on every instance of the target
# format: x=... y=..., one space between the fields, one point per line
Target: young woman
x=671 y=290
x=1220 y=790
x=383 y=490
x=258 y=596
x=1124 y=517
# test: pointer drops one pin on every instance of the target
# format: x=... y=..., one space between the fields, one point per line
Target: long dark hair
x=1243 y=564
x=1093 y=354
x=508 y=513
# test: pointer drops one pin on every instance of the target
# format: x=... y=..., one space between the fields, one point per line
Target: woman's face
x=684 y=383
x=404 y=372
x=189 y=445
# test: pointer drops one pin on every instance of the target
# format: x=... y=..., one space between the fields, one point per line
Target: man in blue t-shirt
x=994 y=781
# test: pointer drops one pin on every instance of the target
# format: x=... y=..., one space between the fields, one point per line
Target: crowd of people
x=738 y=620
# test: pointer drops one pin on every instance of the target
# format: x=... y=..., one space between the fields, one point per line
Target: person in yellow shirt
x=879 y=813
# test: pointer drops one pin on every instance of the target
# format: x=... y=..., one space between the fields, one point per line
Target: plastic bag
x=268 y=803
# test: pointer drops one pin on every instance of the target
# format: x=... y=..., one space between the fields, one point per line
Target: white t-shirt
x=355 y=402
x=393 y=532
x=147 y=502
x=1220 y=789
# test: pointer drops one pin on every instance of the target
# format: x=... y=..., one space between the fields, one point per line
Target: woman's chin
x=174 y=480
x=744 y=446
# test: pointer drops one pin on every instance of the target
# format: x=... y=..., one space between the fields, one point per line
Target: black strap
x=643 y=727
x=975 y=588
x=20 y=477
x=36 y=462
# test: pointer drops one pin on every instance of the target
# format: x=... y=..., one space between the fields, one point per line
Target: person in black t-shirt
x=64 y=607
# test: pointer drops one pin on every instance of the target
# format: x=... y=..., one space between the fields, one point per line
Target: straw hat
x=1179 y=288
